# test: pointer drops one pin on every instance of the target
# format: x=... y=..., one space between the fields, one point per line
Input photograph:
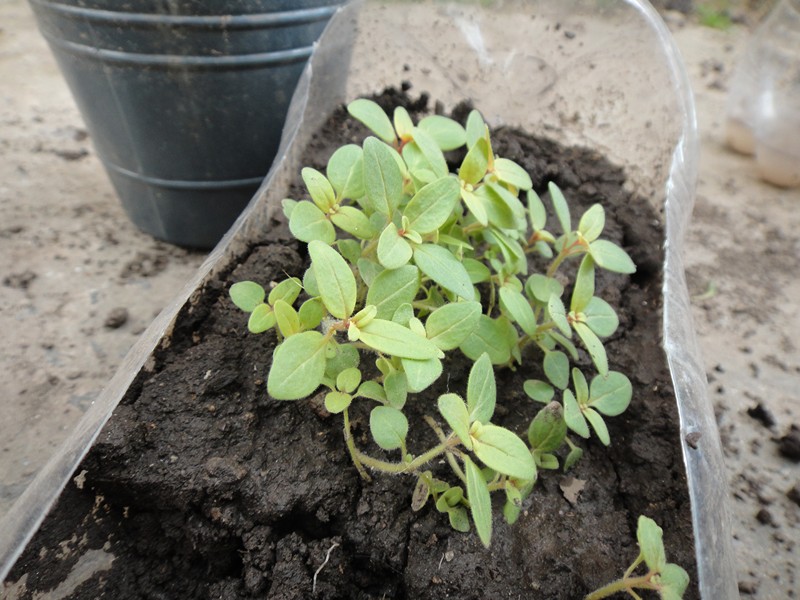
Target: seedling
x=411 y=262
x=668 y=579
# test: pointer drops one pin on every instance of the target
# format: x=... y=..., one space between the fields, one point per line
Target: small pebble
x=116 y=318
x=794 y=494
x=789 y=445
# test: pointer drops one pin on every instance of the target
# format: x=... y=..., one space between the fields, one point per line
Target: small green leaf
x=348 y=380
x=536 y=211
x=391 y=289
x=341 y=357
x=476 y=128
x=445 y=269
x=593 y=346
x=581 y=387
x=335 y=280
x=575 y=454
x=611 y=257
x=388 y=337
x=674 y=581
x=261 y=319
x=421 y=373
x=651 y=543
x=337 y=402
x=503 y=451
x=287 y=290
x=546 y=461
x=298 y=366
x=480 y=502
x=592 y=223
x=458 y=519
x=287 y=318
x=481 y=390
x=538 y=390
x=447 y=133
x=383 y=179
x=475 y=163
x=247 y=295
x=548 y=429
x=511 y=512
x=319 y=188
x=396 y=388
x=450 y=325
x=310 y=282
x=389 y=427
x=557 y=312
x=346 y=171
x=393 y=250
x=584 y=285
x=511 y=173
x=573 y=415
x=372 y=115
x=309 y=223
x=455 y=412
x=541 y=287
x=368 y=270
x=560 y=206
x=403 y=124
x=476 y=205
x=488 y=336
x=372 y=390
x=403 y=314
x=598 y=424
x=354 y=222
x=311 y=313
x=556 y=368
x=430 y=152
x=611 y=394
x=477 y=271
x=600 y=317
x=432 y=205
x=519 y=309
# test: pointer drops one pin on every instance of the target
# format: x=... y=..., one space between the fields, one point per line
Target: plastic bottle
x=764 y=101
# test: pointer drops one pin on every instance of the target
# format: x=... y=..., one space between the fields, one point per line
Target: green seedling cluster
x=411 y=262
x=668 y=579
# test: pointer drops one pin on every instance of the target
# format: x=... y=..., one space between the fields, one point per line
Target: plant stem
x=403 y=467
x=623 y=585
x=445 y=440
x=351 y=447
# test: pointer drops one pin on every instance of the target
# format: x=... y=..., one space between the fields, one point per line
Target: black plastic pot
x=185 y=100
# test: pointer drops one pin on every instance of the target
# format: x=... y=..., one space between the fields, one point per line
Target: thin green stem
x=632 y=568
x=402 y=467
x=449 y=455
x=351 y=447
x=623 y=585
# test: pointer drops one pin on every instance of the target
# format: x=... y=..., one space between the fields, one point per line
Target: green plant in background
x=716 y=15
x=411 y=262
x=668 y=579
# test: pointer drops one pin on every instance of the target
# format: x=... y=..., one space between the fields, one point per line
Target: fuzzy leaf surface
x=445 y=269
x=335 y=280
x=298 y=366
x=451 y=324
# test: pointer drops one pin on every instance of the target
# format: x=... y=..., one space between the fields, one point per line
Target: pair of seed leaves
x=670 y=578
x=609 y=394
x=498 y=448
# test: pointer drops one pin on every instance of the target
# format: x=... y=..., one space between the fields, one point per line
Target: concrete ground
x=78 y=283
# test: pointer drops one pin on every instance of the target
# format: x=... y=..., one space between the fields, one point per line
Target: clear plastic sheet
x=599 y=73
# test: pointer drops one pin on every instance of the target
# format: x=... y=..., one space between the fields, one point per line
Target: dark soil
x=201 y=486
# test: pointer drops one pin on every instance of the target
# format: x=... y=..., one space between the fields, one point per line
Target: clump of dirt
x=201 y=486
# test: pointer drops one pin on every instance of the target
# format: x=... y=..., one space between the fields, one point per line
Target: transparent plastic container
x=764 y=100
x=601 y=74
